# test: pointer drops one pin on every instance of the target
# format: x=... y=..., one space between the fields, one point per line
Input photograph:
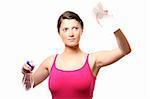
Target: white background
x=28 y=32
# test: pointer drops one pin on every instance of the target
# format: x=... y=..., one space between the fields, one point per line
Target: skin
x=70 y=33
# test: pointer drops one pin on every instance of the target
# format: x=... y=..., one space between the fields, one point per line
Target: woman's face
x=70 y=32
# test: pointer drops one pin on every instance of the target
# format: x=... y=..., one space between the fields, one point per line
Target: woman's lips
x=71 y=39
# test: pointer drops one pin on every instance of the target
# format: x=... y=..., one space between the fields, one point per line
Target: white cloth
x=104 y=18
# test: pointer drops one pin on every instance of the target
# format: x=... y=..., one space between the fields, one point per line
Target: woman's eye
x=76 y=28
x=65 y=29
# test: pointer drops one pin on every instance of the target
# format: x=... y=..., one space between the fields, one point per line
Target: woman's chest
x=78 y=80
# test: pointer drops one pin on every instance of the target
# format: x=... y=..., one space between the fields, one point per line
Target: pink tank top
x=72 y=84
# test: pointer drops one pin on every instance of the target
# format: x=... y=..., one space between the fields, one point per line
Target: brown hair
x=69 y=15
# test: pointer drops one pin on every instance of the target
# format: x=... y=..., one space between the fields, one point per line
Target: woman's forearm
x=122 y=42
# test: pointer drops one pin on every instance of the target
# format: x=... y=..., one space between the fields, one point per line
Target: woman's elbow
x=126 y=52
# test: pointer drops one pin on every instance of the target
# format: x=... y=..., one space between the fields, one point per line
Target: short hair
x=69 y=15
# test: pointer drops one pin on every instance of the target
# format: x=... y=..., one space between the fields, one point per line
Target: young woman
x=72 y=74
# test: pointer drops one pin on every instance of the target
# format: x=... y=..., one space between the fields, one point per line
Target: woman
x=72 y=74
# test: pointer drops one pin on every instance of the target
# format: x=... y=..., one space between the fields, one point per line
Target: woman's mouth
x=71 y=39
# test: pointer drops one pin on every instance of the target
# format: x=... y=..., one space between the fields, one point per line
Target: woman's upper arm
x=43 y=70
x=104 y=58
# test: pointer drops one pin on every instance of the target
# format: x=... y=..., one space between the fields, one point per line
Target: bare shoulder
x=47 y=63
x=92 y=60
x=92 y=63
x=93 y=55
x=96 y=58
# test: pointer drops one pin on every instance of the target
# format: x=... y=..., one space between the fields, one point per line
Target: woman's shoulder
x=92 y=59
x=49 y=61
x=92 y=56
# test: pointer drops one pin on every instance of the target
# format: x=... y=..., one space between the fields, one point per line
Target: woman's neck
x=72 y=50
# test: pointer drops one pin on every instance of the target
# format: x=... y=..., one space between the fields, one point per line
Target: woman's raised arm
x=104 y=58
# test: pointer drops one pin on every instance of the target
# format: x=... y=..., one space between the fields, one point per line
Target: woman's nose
x=71 y=33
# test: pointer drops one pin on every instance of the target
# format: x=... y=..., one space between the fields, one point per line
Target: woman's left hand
x=104 y=19
x=99 y=12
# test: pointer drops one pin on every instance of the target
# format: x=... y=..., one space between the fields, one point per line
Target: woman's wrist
x=28 y=81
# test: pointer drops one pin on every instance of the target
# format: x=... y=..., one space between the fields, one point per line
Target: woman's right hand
x=27 y=68
x=27 y=78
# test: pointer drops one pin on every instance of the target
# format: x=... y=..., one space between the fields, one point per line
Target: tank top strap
x=55 y=58
x=87 y=65
x=53 y=65
x=87 y=58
